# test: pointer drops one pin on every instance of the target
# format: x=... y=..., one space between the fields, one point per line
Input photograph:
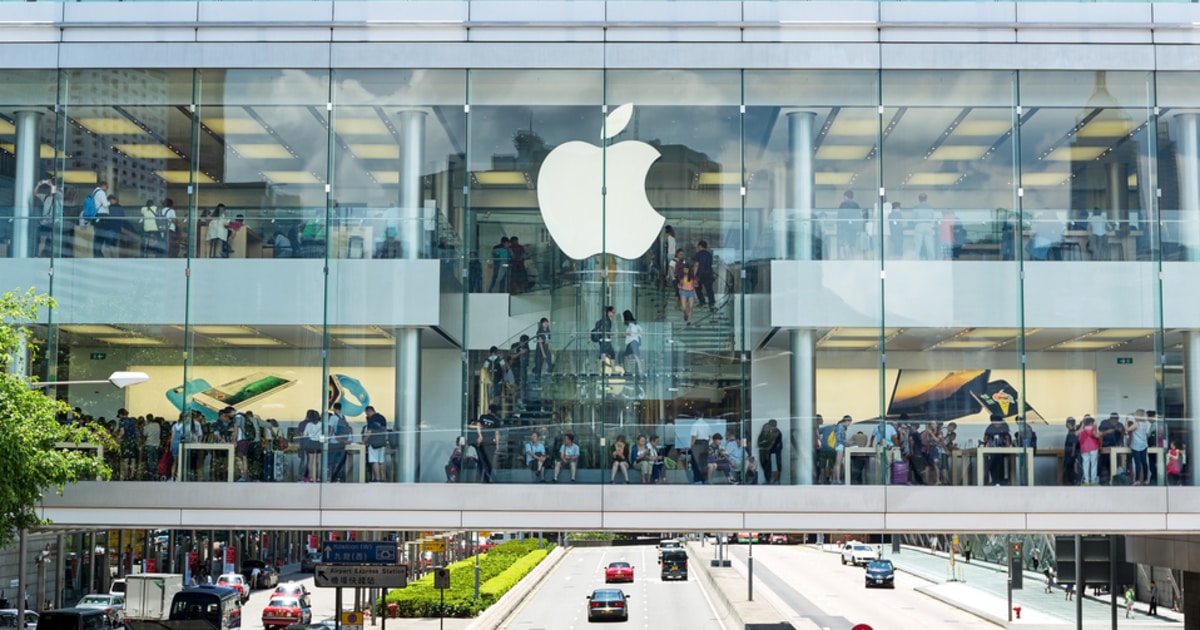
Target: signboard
x=350 y=552
x=98 y=356
x=436 y=546
x=352 y=620
x=1124 y=360
x=230 y=555
x=360 y=576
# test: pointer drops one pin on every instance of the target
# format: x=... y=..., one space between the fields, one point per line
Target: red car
x=284 y=611
x=235 y=581
x=618 y=572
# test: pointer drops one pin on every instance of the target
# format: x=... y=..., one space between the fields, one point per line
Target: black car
x=881 y=573
x=608 y=603
x=675 y=565
x=308 y=564
x=324 y=624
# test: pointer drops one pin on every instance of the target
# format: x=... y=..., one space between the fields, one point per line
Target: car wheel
x=843 y=560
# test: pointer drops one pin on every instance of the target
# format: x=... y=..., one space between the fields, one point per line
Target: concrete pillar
x=794 y=238
x=1117 y=175
x=803 y=405
x=1187 y=160
x=408 y=340
x=408 y=403
x=1191 y=605
x=28 y=150
x=1191 y=397
x=412 y=156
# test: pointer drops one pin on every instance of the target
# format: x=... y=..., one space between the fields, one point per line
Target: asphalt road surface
x=560 y=601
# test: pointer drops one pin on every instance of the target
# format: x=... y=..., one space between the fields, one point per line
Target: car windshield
x=619 y=565
x=880 y=565
x=607 y=596
x=93 y=600
x=668 y=544
x=862 y=548
x=285 y=602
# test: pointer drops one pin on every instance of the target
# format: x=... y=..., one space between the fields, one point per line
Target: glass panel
x=812 y=148
x=685 y=126
x=28 y=146
x=256 y=331
x=517 y=119
x=1088 y=198
x=399 y=139
x=952 y=349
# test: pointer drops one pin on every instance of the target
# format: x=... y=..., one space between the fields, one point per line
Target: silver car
x=112 y=605
x=8 y=619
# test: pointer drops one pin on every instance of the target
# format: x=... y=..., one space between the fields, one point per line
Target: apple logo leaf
x=616 y=120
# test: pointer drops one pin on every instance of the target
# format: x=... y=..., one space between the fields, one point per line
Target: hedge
x=499 y=570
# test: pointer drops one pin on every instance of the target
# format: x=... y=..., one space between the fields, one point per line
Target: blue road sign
x=355 y=552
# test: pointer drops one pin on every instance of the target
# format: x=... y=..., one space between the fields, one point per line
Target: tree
x=31 y=463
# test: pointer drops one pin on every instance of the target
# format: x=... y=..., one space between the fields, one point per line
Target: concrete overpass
x=566 y=507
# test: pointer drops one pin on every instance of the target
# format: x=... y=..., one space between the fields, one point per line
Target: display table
x=1057 y=454
x=215 y=448
x=246 y=243
x=1114 y=457
x=1013 y=452
x=857 y=451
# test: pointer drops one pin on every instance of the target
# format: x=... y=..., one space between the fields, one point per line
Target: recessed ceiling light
x=832 y=179
x=235 y=126
x=111 y=126
x=131 y=341
x=933 y=179
x=1043 y=179
x=1075 y=154
x=291 y=177
x=958 y=152
x=1106 y=129
x=7 y=128
x=982 y=128
x=848 y=127
x=79 y=177
x=47 y=152
x=183 y=177
x=249 y=341
x=262 y=151
x=147 y=151
x=500 y=178
x=844 y=151
x=375 y=151
x=360 y=127
x=366 y=341
x=965 y=344
x=222 y=330
x=91 y=329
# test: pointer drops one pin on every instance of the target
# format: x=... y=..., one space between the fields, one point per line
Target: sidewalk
x=982 y=591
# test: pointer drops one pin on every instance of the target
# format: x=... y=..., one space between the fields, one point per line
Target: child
x=455 y=463
x=1174 y=465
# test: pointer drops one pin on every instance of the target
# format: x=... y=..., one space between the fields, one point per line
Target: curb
x=725 y=609
x=504 y=607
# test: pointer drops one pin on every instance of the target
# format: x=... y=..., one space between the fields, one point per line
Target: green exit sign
x=98 y=356
x=1124 y=360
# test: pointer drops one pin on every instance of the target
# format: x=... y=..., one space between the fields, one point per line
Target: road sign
x=352 y=551
x=352 y=620
x=435 y=546
x=441 y=578
x=359 y=575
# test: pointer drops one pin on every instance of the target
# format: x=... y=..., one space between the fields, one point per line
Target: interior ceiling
x=940 y=146
x=239 y=337
x=1071 y=340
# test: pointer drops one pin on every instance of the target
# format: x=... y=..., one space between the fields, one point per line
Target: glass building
x=912 y=214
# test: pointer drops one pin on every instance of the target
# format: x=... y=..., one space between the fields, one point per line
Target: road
x=560 y=601
x=322 y=599
x=812 y=587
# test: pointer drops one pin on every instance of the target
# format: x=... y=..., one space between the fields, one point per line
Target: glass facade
x=781 y=250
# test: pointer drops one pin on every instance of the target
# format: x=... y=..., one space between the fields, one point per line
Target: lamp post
x=120 y=380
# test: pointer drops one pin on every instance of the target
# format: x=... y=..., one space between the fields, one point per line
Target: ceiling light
x=932 y=179
x=147 y=151
x=249 y=341
x=6 y=128
x=848 y=344
x=79 y=177
x=1075 y=154
x=386 y=177
x=832 y=179
x=719 y=179
x=990 y=333
x=848 y=127
x=360 y=127
x=291 y=177
x=844 y=151
x=366 y=341
x=235 y=126
x=1083 y=345
x=958 y=152
x=111 y=126
x=222 y=330
x=375 y=151
x=964 y=344
x=91 y=329
x=1131 y=181
x=131 y=341
x=1106 y=129
x=982 y=128
x=500 y=178
x=1121 y=333
x=861 y=333
x=1043 y=179
x=262 y=151
x=47 y=152
x=184 y=177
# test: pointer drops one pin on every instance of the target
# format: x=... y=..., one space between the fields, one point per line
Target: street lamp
x=120 y=380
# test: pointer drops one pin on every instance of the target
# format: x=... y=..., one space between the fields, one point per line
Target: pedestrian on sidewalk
x=1070 y=590
x=933 y=544
x=1128 y=602
x=1049 y=580
x=967 y=551
x=1153 y=610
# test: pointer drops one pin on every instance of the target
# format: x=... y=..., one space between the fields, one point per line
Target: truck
x=148 y=596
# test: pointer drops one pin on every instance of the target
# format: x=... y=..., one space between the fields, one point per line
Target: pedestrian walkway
x=981 y=589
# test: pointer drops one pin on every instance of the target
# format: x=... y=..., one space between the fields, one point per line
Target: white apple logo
x=583 y=221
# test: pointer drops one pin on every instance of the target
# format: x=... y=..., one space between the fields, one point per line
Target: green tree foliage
x=31 y=463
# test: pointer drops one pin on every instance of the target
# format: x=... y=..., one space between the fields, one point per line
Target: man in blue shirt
x=840 y=448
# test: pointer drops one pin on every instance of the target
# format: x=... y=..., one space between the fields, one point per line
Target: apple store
x=925 y=250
